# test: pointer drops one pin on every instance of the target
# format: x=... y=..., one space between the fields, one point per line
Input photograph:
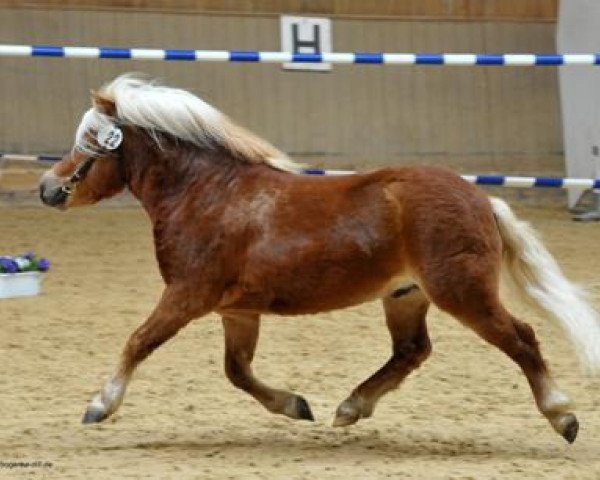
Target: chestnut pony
x=239 y=231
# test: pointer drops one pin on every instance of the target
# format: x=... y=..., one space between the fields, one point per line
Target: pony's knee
x=237 y=372
x=423 y=349
x=414 y=351
x=139 y=347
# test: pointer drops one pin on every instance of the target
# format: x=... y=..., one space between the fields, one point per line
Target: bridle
x=109 y=141
x=78 y=175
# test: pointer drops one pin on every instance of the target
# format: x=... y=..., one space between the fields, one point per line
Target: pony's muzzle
x=52 y=192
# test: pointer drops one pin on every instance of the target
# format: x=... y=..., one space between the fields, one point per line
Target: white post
x=577 y=32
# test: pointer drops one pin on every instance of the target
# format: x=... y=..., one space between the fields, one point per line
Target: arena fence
x=377 y=58
x=491 y=180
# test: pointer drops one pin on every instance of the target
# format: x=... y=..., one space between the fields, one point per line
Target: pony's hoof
x=571 y=428
x=93 y=415
x=346 y=414
x=345 y=420
x=298 y=409
x=303 y=410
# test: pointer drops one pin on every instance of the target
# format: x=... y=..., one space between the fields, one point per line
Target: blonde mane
x=182 y=115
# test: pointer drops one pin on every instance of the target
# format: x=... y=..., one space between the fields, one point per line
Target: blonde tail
x=536 y=273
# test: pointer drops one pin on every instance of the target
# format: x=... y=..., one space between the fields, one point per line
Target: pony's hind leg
x=405 y=318
x=168 y=318
x=517 y=340
x=551 y=401
x=241 y=336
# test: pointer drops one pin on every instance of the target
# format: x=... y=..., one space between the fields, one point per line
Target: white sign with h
x=306 y=35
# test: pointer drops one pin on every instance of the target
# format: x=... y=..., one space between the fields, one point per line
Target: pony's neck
x=159 y=177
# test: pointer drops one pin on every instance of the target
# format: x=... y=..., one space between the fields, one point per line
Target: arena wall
x=472 y=119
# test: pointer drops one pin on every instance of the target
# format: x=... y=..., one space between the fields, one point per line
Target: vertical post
x=577 y=31
x=592 y=215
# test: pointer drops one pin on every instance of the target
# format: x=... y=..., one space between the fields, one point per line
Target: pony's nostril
x=54 y=198
x=59 y=197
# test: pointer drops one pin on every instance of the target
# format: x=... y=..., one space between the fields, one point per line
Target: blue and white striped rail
x=29 y=158
x=500 y=180
x=512 y=59
x=493 y=180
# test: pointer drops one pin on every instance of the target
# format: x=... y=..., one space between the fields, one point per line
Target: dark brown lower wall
x=439 y=10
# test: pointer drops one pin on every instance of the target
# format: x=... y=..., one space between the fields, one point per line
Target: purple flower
x=43 y=264
x=8 y=265
x=29 y=255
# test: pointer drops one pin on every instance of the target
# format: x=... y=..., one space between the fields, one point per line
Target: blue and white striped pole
x=29 y=158
x=500 y=180
x=467 y=59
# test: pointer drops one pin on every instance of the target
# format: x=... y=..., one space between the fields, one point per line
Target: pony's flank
x=184 y=116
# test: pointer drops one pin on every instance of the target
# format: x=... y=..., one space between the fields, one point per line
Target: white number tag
x=109 y=137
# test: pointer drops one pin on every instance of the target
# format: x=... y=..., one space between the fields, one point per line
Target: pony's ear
x=103 y=104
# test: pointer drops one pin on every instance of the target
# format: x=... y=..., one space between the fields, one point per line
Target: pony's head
x=93 y=170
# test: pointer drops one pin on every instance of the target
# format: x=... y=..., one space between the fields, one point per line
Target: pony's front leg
x=241 y=335
x=172 y=313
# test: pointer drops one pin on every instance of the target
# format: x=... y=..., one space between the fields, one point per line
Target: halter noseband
x=78 y=175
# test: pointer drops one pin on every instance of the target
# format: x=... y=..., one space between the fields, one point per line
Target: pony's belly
x=343 y=297
x=296 y=298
